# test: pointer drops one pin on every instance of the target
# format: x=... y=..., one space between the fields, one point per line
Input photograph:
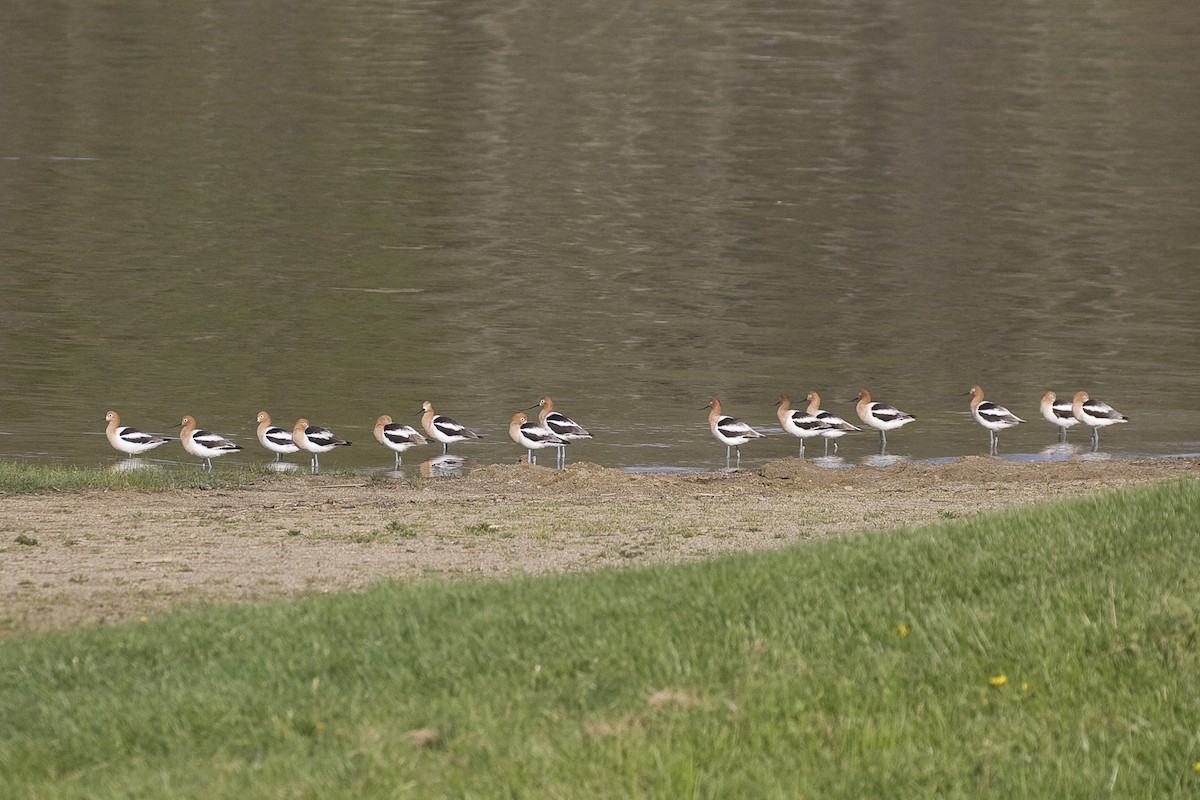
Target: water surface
x=341 y=210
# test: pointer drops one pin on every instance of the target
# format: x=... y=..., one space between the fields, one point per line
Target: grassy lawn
x=1050 y=652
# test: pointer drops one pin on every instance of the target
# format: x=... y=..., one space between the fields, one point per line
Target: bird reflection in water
x=133 y=464
x=444 y=466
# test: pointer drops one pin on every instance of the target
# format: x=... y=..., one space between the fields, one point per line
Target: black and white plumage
x=801 y=424
x=127 y=440
x=729 y=431
x=315 y=440
x=1096 y=414
x=1057 y=412
x=397 y=437
x=443 y=429
x=533 y=436
x=203 y=444
x=991 y=416
x=880 y=416
x=563 y=426
x=274 y=438
x=835 y=427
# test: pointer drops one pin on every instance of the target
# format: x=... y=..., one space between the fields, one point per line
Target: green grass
x=860 y=667
x=16 y=478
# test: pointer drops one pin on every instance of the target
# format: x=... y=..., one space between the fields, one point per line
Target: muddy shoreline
x=108 y=557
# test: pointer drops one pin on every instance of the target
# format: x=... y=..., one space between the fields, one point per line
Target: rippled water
x=341 y=210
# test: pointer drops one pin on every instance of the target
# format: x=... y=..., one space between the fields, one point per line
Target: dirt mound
x=804 y=473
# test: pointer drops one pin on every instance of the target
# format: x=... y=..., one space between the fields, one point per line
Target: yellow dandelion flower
x=143 y=619
x=902 y=629
x=998 y=680
x=1197 y=766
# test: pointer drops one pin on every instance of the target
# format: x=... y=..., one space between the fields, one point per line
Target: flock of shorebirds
x=553 y=429
x=884 y=417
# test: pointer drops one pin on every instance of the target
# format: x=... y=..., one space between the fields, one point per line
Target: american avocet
x=274 y=438
x=315 y=440
x=798 y=423
x=880 y=416
x=1095 y=414
x=563 y=426
x=443 y=429
x=397 y=437
x=532 y=436
x=835 y=427
x=1058 y=412
x=203 y=444
x=731 y=432
x=130 y=441
x=991 y=416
